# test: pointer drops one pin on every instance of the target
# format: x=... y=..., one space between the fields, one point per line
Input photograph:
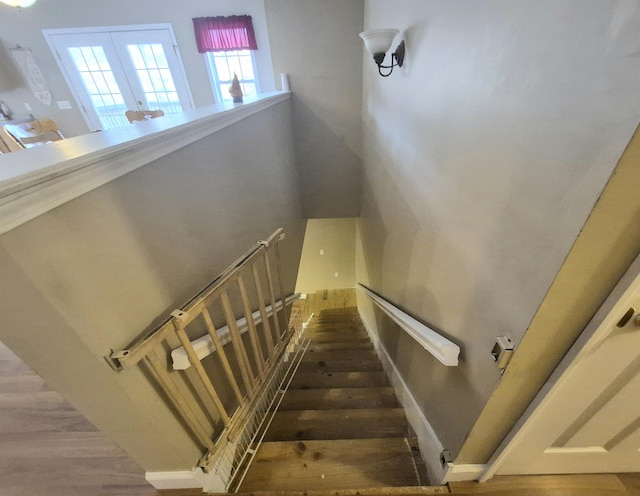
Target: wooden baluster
x=273 y=298
x=238 y=345
x=266 y=327
x=223 y=356
x=166 y=382
x=253 y=333
x=202 y=374
x=283 y=296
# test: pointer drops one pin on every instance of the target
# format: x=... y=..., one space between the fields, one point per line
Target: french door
x=113 y=70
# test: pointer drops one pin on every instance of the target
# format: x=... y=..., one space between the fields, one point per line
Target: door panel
x=588 y=420
x=152 y=66
x=118 y=70
x=93 y=67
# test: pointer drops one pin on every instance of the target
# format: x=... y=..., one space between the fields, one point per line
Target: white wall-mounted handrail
x=204 y=346
x=440 y=347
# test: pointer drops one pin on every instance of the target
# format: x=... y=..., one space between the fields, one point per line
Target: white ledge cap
x=38 y=179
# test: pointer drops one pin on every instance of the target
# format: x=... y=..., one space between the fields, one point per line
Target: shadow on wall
x=445 y=394
x=329 y=170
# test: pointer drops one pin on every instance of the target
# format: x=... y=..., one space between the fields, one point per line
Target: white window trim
x=213 y=79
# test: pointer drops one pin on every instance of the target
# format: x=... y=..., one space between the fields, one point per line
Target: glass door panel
x=94 y=70
x=119 y=70
x=100 y=84
x=150 y=60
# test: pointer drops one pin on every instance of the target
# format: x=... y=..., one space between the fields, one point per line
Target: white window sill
x=39 y=179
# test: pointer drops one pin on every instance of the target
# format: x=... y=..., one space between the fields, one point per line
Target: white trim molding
x=440 y=347
x=179 y=479
x=38 y=179
x=430 y=445
x=464 y=472
x=204 y=346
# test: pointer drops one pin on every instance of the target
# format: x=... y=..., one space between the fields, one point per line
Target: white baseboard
x=430 y=445
x=465 y=472
x=179 y=479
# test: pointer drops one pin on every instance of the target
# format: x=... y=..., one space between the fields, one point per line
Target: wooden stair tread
x=339 y=366
x=331 y=336
x=337 y=464
x=341 y=345
x=338 y=398
x=353 y=355
x=341 y=329
x=326 y=380
x=299 y=425
x=336 y=335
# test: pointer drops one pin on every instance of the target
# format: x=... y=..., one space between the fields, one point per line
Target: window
x=115 y=69
x=228 y=44
x=223 y=65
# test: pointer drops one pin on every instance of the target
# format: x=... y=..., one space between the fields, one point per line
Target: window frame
x=215 y=81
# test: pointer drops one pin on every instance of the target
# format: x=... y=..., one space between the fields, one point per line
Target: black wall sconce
x=378 y=42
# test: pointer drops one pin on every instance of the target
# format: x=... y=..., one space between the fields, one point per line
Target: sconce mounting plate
x=399 y=54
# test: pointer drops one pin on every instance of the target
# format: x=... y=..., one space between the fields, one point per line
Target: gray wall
x=607 y=245
x=483 y=157
x=316 y=43
x=96 y=272
x=25 y=28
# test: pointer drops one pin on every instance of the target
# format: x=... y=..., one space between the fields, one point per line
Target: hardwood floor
x=553 y=485
x=47 y=448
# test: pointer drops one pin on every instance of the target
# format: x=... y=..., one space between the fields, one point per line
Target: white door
x=117 y=69
x=151 y=63
x=587 y=418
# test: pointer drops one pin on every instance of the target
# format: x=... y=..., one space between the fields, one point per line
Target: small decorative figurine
x=235 y=89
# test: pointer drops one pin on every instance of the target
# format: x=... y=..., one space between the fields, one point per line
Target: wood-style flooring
x=47 y=448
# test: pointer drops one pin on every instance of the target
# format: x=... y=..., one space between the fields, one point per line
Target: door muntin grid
x=154 y=74
x=100 y=84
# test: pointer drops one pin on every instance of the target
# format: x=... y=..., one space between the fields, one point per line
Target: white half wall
x=25 y=27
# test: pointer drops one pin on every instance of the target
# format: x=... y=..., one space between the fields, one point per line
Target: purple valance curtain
x=219 y=34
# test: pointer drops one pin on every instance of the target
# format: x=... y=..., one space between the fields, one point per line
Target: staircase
x=339 y=426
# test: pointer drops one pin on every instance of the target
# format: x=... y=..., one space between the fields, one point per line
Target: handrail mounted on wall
x=440 y=347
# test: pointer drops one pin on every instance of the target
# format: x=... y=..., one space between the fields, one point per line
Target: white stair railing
x=223 y=410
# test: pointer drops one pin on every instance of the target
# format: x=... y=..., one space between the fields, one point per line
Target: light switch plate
x=27 y=106
x=64 y=104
